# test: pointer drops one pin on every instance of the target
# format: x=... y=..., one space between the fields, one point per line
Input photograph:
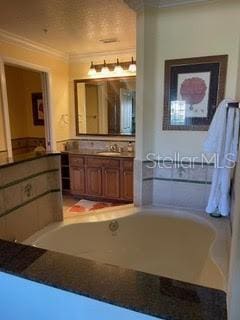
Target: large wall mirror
x=105 y=106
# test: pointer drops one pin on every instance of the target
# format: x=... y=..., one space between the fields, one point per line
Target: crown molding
x=31 y=45
x=91 y=56
x=78 y=57
x=139 y=5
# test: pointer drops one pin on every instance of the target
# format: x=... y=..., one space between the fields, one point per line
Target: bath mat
x=87 y=205
x=83 y=207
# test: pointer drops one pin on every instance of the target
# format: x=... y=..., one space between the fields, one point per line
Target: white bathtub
x=185 y=246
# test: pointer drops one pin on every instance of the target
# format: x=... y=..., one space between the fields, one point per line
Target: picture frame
x=37 y=109
x=193 y=89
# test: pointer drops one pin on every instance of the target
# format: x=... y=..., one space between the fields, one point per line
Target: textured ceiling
x=74 y=26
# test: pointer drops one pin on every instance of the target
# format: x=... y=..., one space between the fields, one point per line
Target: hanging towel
x=222 y=140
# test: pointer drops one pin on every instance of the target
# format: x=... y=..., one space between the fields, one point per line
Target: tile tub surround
x=153 y=295
x=30 y=196
x=174 y=185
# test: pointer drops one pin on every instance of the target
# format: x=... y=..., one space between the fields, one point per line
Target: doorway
x=25 y=107
x=26 y=113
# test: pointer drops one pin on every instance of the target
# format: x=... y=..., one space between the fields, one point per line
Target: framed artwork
x=193 y=89
x=38 y=109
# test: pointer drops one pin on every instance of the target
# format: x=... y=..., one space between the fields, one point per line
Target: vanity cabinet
x=111 y=183
x=109 y=178
x=127 y=180
x=77 y=180
x=94 y=181
x=77 y=174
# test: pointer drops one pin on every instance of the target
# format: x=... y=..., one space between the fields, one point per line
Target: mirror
x=105 y=106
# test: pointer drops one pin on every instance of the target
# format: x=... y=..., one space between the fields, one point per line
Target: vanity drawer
x=76 y=161
x=94 y=162
x=112 y=163
x=102 y=162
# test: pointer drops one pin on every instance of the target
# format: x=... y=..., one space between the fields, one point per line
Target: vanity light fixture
x=105 y=69
x=92 y=71
x=118 y=69
x=132 y=66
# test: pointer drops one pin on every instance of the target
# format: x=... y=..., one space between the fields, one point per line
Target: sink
x=109 y=153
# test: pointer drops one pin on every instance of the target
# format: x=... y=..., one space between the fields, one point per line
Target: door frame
x=46 y=77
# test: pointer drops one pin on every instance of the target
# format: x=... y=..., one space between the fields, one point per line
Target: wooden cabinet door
x=94 y=181
x=77 y=178
x=111 y=183
x=127 y=185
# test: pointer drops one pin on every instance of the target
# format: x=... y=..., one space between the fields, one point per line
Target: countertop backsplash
x=73 y=144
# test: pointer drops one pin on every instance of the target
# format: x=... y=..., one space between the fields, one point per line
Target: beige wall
x=60 y=81
x=17 y=110
x=21 y=83
x=181 y=32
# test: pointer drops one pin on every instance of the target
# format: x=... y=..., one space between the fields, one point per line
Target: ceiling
x=139 y=4
x=71 y=26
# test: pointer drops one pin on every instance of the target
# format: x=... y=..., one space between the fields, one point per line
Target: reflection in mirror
x=105 y=106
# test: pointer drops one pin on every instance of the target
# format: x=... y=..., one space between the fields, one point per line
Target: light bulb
x=92 y=71
x=132 y=66
x=118 y=69
x=105 y=69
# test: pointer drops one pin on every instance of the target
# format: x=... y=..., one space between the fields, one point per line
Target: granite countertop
x=149 y=294
x=96 y=152
x=25 y=157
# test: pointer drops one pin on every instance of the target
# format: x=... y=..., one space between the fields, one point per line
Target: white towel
x=222 y=140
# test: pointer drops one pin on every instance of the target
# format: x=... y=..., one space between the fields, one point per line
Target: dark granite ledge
x=24 y=158
x=157 y=296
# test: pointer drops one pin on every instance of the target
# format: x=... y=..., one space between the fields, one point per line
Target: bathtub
x=186 y=246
